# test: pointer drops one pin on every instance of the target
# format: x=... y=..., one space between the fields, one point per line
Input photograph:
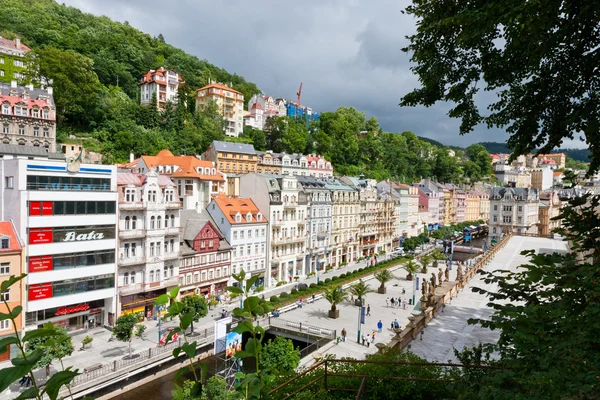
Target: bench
x=92 y=368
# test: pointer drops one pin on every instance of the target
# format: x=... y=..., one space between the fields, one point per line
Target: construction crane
x=299 y=93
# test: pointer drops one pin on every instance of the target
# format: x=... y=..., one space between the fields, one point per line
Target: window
x=151 y=248
x=211 y=243
x=248 y=250
x=1 y=72
x=36 y=131
x=241 y=234
x=520 y=208
x=133 y=246
x=35 y=112
x=21 y=129
x=126 y=249
x=127 y=223
x=5 y=109
x=5 y=243
x=172 y=245
x=171 y=271
x=5 y=128
x=46 y=113
x=158 y=222
x=126 y=278
x=495 y=208
x=5 y=269
x=5 y=296
x=235 y=234
x=9 y=182
x=4 y=325
x=151 y=276
x=152 y=222
x=166 y=272
x=46 y=132
x=173 y=220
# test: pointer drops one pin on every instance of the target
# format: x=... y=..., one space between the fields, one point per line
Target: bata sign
x=72 y=309
x=74 y=236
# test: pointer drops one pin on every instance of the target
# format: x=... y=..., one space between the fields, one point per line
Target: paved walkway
x=449 y=330
x=103 y=350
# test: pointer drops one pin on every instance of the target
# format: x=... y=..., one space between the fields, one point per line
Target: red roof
x=13 y=100
x=256 y=105
x=148 y=77
x=187 y=165
x=12 y=44
x=6 y=229
x=218 y=86
x=232 y=206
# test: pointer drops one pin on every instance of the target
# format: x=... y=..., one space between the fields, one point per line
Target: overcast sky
x=346 y=52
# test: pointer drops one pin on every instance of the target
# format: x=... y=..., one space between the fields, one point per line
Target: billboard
x=41 y=291
x=40 y=235
x=233 y=344
x=41 y=263
x=222 y=327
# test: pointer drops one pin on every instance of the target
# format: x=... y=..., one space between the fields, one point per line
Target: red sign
x=72 y=309
x=38 y=292
x=35 y=208
x=39 y=264
x=40 y=235
x=47 y=208
x=96 y=311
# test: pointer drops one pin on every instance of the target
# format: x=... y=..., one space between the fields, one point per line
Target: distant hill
x=575 y=154
x=438 y=144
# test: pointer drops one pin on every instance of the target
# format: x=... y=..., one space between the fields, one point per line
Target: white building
x=245 y=228
x=367 y=192
x=513 y=210
x=164 y=83
x=255 y=117
x=282 y=198
x=294 y=165
x=148 y=252
x=319 y=248
x=67 y=215
x=345 y=221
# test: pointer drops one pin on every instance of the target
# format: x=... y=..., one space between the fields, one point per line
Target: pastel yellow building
x=472 y=206
x=230 y=103
x=449 y=207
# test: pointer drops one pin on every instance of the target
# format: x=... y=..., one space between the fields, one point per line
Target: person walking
x=363 y=339
x=368 y=310
x=404 y=304
x=344 y=335
x=395 y=323
x=387 y=302
x=373 y=337
x=29 y=380
x=24 y=378
x=392 y=302
x=379 y=326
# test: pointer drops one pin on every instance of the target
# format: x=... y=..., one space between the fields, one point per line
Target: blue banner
x=362 y=315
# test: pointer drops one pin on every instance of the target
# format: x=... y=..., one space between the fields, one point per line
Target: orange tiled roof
x=12 y=44
x=148 y=76
x=231 y=206
x=6 y=229
x=218 y=86
x=187 y=165
x=557 y=173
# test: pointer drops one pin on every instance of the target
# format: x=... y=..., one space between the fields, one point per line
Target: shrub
x=321 y=283
x=294 y=291
x=284 y=295
x=343 y=275
x=274 y=299
x=280 y=283
x=303 y=289
x=327 y=280
x=328 y=268
x=313 y=285
x=311 y=273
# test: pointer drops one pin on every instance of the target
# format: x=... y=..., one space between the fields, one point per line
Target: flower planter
x=357 y=302
x=334 y=314
x=409 y=277
x=381 y=290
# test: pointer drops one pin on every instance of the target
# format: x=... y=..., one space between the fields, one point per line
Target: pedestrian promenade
x=104 y=350
x=449 y=330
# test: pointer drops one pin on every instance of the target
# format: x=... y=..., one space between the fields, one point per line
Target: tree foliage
x=537 y=58
x=280 y=356
x=55 y=347
x=124 y=329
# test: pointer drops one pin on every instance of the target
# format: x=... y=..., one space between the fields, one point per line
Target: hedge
x=284 y=295
x=327 y=280
x=274 y=299
x=313 y=285
x=294 y=291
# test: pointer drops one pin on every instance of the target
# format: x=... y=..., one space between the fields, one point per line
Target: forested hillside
x=86 y=54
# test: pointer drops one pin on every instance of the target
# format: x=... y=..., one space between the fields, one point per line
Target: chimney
x=49 y=90
x=13 y=84
x=131 y=157
x=18 y=43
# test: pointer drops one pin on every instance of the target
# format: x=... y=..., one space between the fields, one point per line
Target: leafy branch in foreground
x=36 y=348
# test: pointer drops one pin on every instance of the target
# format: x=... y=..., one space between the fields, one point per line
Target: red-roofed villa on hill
x=164 y=83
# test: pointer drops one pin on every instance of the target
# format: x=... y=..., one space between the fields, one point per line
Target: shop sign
x=73 y=236
x=96 y=311
x=73 y=309
x=39 y=264
x=37 y=208
x=38 y=292
x=38 y=236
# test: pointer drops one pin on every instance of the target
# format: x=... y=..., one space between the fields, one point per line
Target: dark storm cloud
x=346 y=52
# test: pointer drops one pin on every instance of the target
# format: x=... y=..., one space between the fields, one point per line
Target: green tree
x=211 y=125
x=274 y=131
x=542 y=96
x=383 y=276
x=411 y=267
x=55 y=347
x=446 y=167
x=197 y=306
x=124 y=329
x=280 y=356
x=360 y=290
x=295 y=136
x=343 y=126
x=76 y=85
x=335 y=295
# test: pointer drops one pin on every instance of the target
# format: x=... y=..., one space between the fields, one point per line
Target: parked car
x=163 y=339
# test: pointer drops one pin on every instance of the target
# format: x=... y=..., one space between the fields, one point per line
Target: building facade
x=294 y=164
x=27 y=116
x=11 y=263
x=472 y=206
x=549 y=208
x=268 y=163
x=542 y=178
x=232 y=158
x=196 y=180
x=345 y=218
x=283 y=199
x=230 y=104
x=244 y=227
x=319 y=167
x=513 y=210
x=67 y=215
x=162 y=84
x=368 y=227
x=12 y=60
x=205 y=265
x=319 y=247
x=149 y=225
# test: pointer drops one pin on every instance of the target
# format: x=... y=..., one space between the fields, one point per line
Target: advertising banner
x=35 y=208
x=41 y=291
x=47 y=208
x=39 y=264
x=40 y=235
x=233 y=344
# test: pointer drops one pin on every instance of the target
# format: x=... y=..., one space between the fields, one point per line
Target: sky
x=345 y=53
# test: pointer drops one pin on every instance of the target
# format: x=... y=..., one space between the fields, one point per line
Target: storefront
x=143 y=303
x=72 y=317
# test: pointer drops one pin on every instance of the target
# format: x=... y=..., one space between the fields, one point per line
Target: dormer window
x=238 y=217
x=6 y=108
x=5 y=242
x=46 y=113
x=249 y=217
x=259 y=217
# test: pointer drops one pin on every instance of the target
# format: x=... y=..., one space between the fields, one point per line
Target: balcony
x=138 y=205
x=172 y=230
x=127 y=261
x=275 y=222
x=288 y=240
x=173 y=205
x=132 y=234
x=171 y=256
x=147 y=287
x=155 y=232
x=290 y=204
